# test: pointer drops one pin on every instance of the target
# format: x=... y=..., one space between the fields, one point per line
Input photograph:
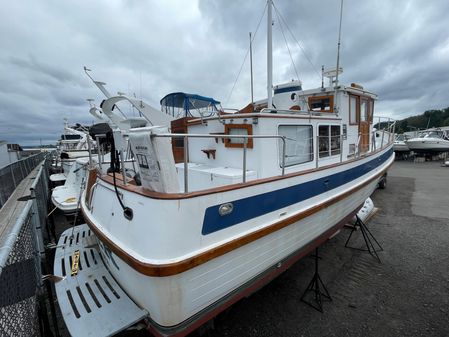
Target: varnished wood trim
x=194 y=261
x=91 y=179
x=311 y=99
x=169 y=196
x=249 y=132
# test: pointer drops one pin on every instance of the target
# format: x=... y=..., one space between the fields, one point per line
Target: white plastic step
x=91 y=302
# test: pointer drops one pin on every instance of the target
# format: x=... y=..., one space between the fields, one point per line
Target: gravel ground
x=405 y=295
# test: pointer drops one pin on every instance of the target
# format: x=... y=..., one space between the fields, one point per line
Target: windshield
x=433 y=134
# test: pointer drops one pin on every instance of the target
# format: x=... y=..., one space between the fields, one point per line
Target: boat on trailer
x=224 y=202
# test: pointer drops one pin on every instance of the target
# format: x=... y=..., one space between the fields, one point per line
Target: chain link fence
x=21 y=245
x=12 y=174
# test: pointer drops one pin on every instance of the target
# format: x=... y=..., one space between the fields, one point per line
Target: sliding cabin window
x=321 y=103
x=298 y=144
x=238 y=129
x=329 y=140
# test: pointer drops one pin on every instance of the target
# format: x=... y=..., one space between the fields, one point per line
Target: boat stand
x=370 y=241
x=91 y=301
x=317 y=288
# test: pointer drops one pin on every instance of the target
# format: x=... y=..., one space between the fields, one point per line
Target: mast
x=251 y=65
x=338 y=44
x=337 y=70
x=269 y=55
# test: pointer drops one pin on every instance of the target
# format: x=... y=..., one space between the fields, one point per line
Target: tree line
x=429 y=119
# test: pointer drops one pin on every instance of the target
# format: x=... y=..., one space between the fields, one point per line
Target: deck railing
x=245 y=138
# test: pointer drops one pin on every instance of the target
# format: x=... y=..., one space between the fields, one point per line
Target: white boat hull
x=400 y=147
x=175 y=298
x=428 y=145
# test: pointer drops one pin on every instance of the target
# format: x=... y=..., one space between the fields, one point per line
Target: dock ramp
x=91 y=301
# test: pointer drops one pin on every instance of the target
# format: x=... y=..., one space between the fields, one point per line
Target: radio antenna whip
x=338 y=45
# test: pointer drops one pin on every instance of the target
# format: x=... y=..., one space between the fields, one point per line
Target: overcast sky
x=397 y=49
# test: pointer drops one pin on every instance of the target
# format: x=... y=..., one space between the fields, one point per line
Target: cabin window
x=329 y=140
x=335 y=140
x=298 y=144
x=321 y=103
x=238 y=129
x=364 y=115
x=353 y=110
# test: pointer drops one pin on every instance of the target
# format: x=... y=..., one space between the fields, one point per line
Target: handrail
x=299 y=112
x=244 y=159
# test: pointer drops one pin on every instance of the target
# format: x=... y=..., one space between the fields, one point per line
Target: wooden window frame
x=310 y=99
x=248 y=127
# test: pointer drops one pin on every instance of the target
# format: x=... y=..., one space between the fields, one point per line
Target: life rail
x=245 y=145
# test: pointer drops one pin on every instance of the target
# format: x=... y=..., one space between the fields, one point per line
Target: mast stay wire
x=246 y=55
x=286 y=43
x=297 y=42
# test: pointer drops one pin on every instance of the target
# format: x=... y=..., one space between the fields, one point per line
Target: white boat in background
x=73 y=145
x=66 y=197
x=400 y=144
x=430 y=141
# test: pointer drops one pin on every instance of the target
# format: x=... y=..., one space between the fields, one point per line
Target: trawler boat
x=222 y=203
x=431 y=141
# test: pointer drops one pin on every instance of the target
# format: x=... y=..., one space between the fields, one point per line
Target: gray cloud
x=398 y=49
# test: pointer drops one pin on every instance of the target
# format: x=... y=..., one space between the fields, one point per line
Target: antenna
x=322 y=77
x=269 y=55
x=251 y=65
x=100 y=85
x=338 y=45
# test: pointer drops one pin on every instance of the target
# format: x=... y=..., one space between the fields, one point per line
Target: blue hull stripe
x=254 y=206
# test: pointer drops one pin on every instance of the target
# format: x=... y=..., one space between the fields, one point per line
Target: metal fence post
x=13 y=178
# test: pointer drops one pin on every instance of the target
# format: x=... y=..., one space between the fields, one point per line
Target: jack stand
x=317 y=287
x=369 y=238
